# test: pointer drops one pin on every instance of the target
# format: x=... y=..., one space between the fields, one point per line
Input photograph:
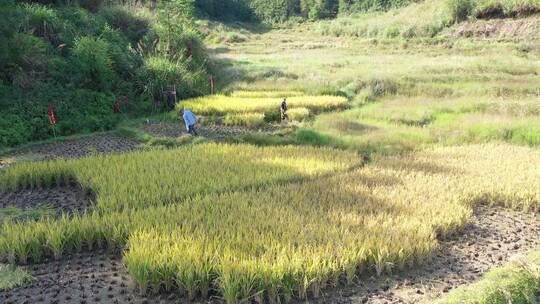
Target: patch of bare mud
x=82 y=278
x=215 y=132
x=62 y=199
x=507 y=28
x=75 y=148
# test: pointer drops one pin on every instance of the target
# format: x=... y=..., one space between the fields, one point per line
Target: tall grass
x=403 y=123
x=515 y=282
x=419 y=19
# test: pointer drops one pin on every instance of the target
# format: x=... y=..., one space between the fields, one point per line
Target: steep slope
x=82 y=59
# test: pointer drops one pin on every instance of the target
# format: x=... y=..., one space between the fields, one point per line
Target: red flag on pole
x=52 y=119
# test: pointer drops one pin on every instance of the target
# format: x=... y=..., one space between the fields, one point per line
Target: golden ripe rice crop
x=131 y=180
x=302 y=231
x=221 y=104
x=266 y=94
x=244 y=119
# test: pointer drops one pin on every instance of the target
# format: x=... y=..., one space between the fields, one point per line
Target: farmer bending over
x=191 y=120
x=284 y=109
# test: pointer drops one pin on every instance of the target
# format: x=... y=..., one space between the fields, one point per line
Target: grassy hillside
x=82 y=58
x=425 y=18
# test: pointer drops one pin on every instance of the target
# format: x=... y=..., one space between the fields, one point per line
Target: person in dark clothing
x=284 y=108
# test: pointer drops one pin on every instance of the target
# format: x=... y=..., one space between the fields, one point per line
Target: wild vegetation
x=279 y=11
x=82 y=57
x=516 y=282
x=11 y=277
x=425 y=18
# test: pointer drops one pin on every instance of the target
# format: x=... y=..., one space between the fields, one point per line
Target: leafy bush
x=82 y=58
x=121 y=18
x=91 y=60
x=42 y=20
x=158 y=74
x=279 y=11
x=459 y=10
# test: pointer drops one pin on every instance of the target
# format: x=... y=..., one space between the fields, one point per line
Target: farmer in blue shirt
x=191 y=120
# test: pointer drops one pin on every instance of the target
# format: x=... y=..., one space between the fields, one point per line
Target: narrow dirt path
x=494 y=235
x=217 y=132
x=74 y=148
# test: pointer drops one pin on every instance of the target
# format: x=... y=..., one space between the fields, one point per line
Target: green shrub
x=81 y=58
x=91 y=5
x=122 y=19
x=272 y=116
x=515 y=282
x=13 y=130
x=41 y=19
x=159 y=73
x=391 y=31
x=312 y=137
x=91 y=60
x=459 y=10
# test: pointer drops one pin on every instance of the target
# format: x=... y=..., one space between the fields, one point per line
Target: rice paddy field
x=399 y=154
x=255 y=108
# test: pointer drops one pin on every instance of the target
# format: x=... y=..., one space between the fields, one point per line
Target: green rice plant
x=266 y=94
x=17 y=214
x=12 y=277
x=56 y=240
x=112 y=178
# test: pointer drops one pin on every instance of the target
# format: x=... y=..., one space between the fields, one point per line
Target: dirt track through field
x=490 y=240
x=211 y=132
x=75 y=148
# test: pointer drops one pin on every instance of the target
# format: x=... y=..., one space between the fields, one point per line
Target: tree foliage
x=81 y=56
x=275 y=11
